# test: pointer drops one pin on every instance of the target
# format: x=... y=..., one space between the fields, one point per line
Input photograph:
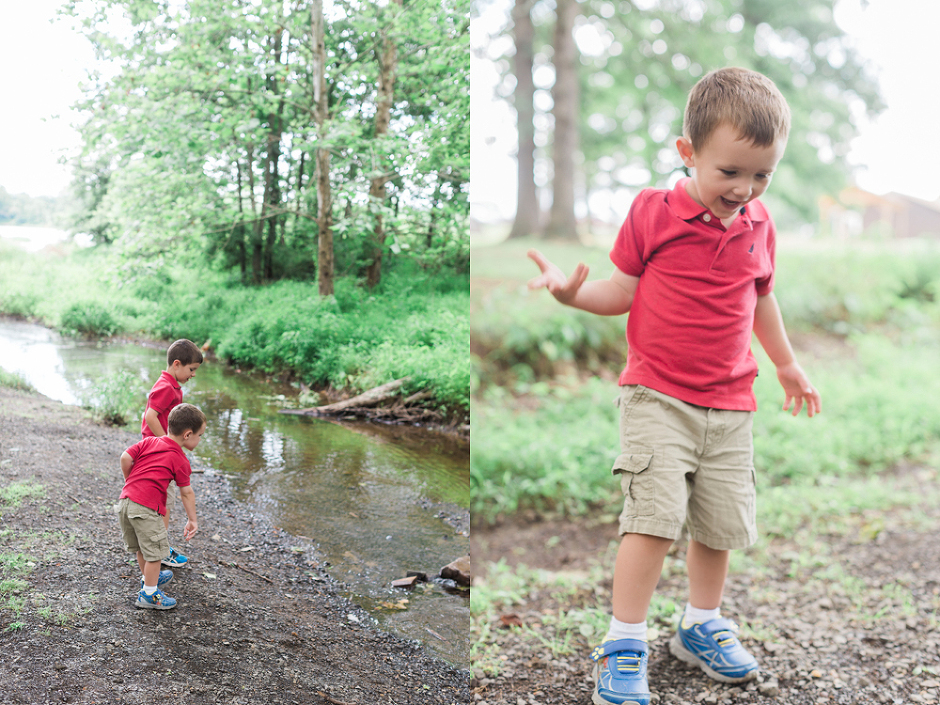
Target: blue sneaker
x=156 y=601
x=714 y=647
x=165 y=577
x=620 y=673
x=175 y=559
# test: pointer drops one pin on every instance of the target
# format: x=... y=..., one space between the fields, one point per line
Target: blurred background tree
x=636 y=61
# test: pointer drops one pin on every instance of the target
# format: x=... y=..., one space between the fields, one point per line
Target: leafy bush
x=88 y=318
x=117 y=400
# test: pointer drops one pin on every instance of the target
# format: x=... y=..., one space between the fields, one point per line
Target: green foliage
x=117 y=400
x=551 y=449
x=88 y=318
x=203 y=142
x=414 y=324
x=13 y=381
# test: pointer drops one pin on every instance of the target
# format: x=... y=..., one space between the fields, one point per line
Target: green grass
x=14 y=381
x=13 y=494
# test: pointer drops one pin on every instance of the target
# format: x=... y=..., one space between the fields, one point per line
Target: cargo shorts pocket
x=636 y=481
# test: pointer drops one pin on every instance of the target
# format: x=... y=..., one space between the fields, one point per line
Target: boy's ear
x=684 y=146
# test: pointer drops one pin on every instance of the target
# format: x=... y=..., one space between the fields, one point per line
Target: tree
x=386 y=55
x=325 y=270
x=523 y=98
x=230 y=130
x=561 y=221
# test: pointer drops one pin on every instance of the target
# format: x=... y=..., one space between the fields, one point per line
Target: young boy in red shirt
x=182 y=360
x=148 y=467
x=694 y=267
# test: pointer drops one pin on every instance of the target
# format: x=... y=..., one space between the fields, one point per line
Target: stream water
x=372 y=497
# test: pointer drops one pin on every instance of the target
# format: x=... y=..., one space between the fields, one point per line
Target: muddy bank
x=259 y=619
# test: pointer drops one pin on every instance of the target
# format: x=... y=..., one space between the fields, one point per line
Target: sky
x=44 y=62
x=897 y=151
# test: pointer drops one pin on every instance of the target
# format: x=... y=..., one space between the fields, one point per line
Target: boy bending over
x=149 y=466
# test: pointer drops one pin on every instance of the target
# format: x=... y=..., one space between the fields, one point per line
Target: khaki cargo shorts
x=682 y=464
x=142 y=530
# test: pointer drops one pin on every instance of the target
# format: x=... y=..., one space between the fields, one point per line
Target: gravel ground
x=847 y=618
x=258 y=620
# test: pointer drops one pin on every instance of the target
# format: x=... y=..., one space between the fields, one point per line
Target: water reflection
x=369 y=496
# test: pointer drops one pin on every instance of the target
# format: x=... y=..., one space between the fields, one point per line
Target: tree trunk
x=324 y=194
x=561 y=223
x=527 y=205
x=272 y=182
x=388 y=59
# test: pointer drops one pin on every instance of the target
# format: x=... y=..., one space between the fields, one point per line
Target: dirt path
x=258 y=621
x=850 y=618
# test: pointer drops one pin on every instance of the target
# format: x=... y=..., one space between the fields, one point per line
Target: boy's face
x=191 y=438
x=728 y=172
x=183 y=373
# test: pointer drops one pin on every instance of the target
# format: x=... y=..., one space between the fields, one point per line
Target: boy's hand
x=563 y=288
x=798 y=390
x=190 y=529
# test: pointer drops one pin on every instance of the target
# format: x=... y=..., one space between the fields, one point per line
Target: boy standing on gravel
x=694 y=267
x=182 y=360
x=148 y=467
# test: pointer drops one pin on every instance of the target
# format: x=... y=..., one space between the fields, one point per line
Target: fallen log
x=372 y=397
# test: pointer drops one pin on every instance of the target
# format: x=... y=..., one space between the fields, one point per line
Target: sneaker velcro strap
x=721 y=624
x=612 y=647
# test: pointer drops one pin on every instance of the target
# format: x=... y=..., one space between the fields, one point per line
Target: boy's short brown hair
x=185 y=351
x=746 y=100
x=185 y=417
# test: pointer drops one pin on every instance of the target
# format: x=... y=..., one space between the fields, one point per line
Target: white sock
x=150 y=589
x=625 y=630
x=693 y=615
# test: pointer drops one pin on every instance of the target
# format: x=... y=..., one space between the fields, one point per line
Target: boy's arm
x=188 y=497
x=605 y=297
x=127 y=462
x=768 y=326
x=153 y=422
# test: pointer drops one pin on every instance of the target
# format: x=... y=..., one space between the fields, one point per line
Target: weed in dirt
x=13 y=494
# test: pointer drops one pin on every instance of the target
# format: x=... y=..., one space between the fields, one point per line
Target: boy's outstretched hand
x=563 y=288
x=798 y=390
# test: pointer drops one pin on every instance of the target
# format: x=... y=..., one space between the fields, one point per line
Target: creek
x=374 y=498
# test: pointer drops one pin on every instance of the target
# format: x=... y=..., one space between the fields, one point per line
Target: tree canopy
x=205 y=139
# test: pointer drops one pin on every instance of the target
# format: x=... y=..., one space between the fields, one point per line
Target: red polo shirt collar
x=686 y=207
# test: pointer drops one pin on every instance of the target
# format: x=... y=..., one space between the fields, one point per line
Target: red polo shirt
x=157 y=460
x=166 y=394
x=689 y=329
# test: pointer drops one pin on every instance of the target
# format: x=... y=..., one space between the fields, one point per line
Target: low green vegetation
x=13 y=381
x=117 y=399
x=414 y=324
x=22 y=552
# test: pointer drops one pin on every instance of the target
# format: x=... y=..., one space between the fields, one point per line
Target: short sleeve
x=629 y=252
x=765 y=285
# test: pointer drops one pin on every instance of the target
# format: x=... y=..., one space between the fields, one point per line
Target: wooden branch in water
x=373 y=397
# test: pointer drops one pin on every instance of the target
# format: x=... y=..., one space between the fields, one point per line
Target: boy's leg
x=620 y=674
x=721 y=517
x=636 y=573
x=708 y=569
